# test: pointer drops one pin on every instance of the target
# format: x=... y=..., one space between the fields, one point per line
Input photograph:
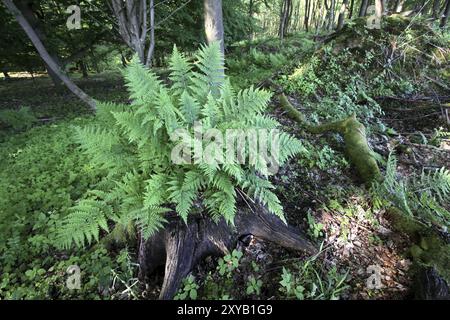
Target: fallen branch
x=354 y=133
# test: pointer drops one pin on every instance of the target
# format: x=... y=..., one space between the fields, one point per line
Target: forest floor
x=320 y=192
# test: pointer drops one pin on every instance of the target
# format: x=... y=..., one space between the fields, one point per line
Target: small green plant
x=309 y=283
x=254 y=286
x=323 y=158
x=422 y=196
x=314 y=229
x=229 y=263
x=17 y=119
x=189 y=289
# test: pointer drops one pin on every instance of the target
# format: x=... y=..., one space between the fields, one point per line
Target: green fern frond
x=180 y=72
x=190 y=108
x=141 y=82
x=183 y=192
x=150 y=219
x=210 y=79
x=83 y=223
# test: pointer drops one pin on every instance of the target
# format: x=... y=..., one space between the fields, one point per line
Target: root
x=354 y=133
x=181 y=246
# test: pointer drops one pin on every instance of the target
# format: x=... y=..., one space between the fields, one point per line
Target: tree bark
x=331 y=15
x=341 y=17
x=214 y=22
x=46 y=56
x=350 y=11
x=132 y=23
x=444 y=18
x=379 y=8
x=151 y=48
x=181 y=246
x=436 y=7
x=307 y=13
x=363 y=8
x=399 y=6
x=28 y=14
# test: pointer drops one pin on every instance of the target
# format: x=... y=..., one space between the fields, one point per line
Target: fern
x=134 y=144
x=423 y=196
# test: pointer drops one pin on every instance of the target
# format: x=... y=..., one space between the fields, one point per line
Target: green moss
x=428 y=250
x=354 y=134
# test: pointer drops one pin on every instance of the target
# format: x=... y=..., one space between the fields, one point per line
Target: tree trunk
x=379 y=8
x=350 y=11
x=181 y=246
x=151 y=48
x=307 y=12
x=46 y=56
x=436 y=7
x=331 y=15
x=132 y=22
x=84 y=70
x=363 y=8
x=445 y=15
x=214 y=22
x=28 y=14
x=341 y=17
x=399 y=6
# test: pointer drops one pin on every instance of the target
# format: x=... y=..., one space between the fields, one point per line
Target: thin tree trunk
x=46 y=56
x=84 y=70
x=151 y=48
x=341 y=17
x=307 y=11
x=379 y=8
x=436 y=6
x=28 y=14
x=399 y=6
x=363 y=8
x=444 y=18
x=350 y=11
x=283 y=19
x=331 y=16
x=214 y=22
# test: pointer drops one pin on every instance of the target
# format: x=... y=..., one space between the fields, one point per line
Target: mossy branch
x=354 y=133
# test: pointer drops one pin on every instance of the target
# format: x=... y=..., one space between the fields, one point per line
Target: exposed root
x=354 y=133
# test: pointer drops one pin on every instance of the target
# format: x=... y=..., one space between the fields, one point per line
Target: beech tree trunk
x=26 y=9
x=436 y=7
x=214 y=22
x=307 y=13
x=134 y=27
x=363 y=8
x=46 y=56
x=341 y=17
x=399 y=6
x=331 y=15
x=444 y=18
x=350 y=11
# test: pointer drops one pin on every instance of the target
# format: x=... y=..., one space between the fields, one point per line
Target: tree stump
x=181 y=246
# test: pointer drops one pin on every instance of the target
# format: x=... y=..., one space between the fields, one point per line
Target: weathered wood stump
x=181 y=246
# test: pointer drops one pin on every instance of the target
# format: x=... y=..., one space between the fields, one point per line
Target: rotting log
x=354 y=133
x=181 y=246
